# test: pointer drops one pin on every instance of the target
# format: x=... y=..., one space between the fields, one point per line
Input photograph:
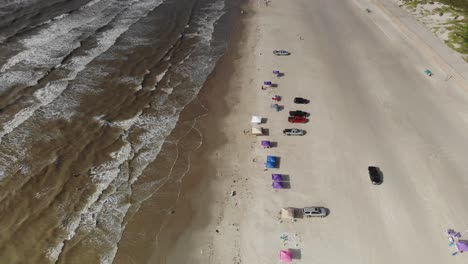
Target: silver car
x=314 y=211
x=293 y=132
x=281 y=52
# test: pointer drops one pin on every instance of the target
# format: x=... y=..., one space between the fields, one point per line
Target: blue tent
x=271 y=162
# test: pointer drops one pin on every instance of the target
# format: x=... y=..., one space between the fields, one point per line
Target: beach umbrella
x=268 y=83
x=265 y=144
x=276 y=177
x=276 y=72
x=277 y=185
x=285 y=256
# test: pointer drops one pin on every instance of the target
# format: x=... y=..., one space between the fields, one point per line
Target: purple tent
x=276 y=177
x=277 y=185
x=267 y=83
x=266 y=144
x=462 y=245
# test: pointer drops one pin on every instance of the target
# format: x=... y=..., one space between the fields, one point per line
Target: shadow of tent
x=296 y=253
x=285 y=177
x=298 y=213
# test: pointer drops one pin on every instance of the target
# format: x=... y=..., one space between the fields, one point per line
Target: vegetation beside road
x=457 y=25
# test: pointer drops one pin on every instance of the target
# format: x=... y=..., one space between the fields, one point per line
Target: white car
x=314 y=211
x=281 y=53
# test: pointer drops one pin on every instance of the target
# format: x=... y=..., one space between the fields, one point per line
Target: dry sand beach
x=370 y=104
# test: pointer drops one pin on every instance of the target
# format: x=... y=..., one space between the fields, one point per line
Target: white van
x=314 y=211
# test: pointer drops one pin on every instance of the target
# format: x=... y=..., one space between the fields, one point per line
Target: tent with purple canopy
x=462 y=245
x=286 y=256
x=267 y=83
x=276 y=177
x=277 y=185
x=266 y=144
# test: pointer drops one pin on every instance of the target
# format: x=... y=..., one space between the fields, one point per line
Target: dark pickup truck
x=299 y=113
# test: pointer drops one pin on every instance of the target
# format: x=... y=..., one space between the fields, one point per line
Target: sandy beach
x=370 y=104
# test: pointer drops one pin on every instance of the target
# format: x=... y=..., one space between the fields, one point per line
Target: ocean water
x=89 y=91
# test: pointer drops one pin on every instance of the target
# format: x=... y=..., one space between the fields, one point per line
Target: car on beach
x=314 y=211
x=293 y=132
x=300 y=100
x=281 y=53
x=297 y=119
x=299 y=113
x=375 y=175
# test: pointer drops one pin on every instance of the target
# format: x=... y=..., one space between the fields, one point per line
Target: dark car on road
x=281 y=53
x=375 y=175
x=297 y=119
x=299 y=113
x=300 y=100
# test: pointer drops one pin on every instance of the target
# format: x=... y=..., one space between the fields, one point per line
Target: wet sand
x=151 y=234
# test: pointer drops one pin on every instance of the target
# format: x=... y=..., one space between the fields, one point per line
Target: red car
x=297 y=119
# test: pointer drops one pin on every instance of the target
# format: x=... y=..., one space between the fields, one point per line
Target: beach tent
x=276 y=177
x=266 y=144
x=276 y=107
x=462 y=245
x=271 y=162
x=287 y=213
x=285 y=256
x=267 y=83
x=257 y=131
x=256 y=119
x=277 y=185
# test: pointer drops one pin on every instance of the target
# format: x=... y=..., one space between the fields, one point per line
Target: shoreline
x=169 y=212
x=200 y=194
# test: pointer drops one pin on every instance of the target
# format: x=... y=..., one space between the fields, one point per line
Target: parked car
x=293 y=132
x=375 y=175
x=314 y=211
x=299 y=113
x=297 y=119
x=281 y=53
x=300 y=100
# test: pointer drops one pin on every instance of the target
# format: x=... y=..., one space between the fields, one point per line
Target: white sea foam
x=206 y=23
x=52 y=90
x=111 y=208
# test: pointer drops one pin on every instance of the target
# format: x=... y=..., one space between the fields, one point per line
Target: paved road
x=371 y=104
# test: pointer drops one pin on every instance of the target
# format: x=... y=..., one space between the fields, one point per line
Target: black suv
x=300 y=100
x=299 y=113
x=375 y=175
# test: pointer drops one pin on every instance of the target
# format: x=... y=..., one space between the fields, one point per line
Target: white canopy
x=257 y=131
x=287 y=213
x=256 y=119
